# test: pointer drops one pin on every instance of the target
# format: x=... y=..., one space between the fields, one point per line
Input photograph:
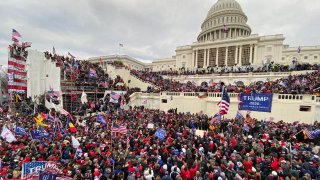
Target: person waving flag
x=224 y=103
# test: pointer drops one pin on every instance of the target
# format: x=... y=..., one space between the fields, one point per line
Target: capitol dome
x=225 y=19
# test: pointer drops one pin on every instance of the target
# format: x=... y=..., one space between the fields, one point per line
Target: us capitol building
x=225 y=40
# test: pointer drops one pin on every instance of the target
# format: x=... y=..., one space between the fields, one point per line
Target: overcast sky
x=148 y=29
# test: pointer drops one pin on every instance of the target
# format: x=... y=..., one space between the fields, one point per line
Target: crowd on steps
x=296 y=84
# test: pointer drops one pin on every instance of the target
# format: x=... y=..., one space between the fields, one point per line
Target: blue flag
x=39 y=134
x=160 y=133
x=20 y=131
x=78 y=152
x=217 y=117
x=33 y=167
x=239 y=115
x=101 y=120
x=63 y=132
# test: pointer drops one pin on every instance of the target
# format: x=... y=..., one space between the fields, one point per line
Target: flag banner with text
x=34 y=168
x=256 y=102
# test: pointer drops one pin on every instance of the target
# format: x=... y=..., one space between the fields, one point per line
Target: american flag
x=119 y=129
x=16 y=34
x=64 y=112
x=14 y=39
x=17 y=74
x=309 y=134
x=57 y=123
x=224 y=103
x=72 y=56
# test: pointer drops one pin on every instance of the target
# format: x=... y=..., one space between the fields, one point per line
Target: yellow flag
x=39 y=120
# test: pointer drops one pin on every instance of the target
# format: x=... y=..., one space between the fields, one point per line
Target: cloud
x=148 y=29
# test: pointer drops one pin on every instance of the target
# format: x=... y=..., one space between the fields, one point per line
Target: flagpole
x=111 y=136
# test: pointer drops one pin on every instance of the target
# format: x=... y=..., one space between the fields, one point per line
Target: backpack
x=173 y=175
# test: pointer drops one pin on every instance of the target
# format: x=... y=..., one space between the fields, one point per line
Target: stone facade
x=225 y=40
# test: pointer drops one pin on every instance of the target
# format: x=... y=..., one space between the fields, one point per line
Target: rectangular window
x=306 y=57
x=305 y=108
x=164 y=100
x=315 y=57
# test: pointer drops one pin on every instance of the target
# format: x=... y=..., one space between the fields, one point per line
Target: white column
x=196 y=58
x=217 y=56
x=193 y=59
x=204 y=58
x=240 y=56
x=250 y=60
x=208 y=56
x=236 y=58
x=230 y=32
x=220 y=34
x=226 y=60
x=255 y=56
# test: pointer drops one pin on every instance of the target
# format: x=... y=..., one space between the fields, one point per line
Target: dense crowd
x=85 y=73
x=227 y=149
x=244 y=69
x=296 y=84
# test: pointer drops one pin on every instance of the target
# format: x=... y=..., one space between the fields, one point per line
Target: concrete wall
x=126 y=76
x=284 y=107
x=41 y=74
x=148 y=100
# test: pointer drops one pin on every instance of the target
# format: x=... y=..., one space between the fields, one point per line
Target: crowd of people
x=243 y=69
x=297 y=84
x=226 y=149
x=85 y=73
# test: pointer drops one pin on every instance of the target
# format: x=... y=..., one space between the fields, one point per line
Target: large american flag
x=224 y=103
x=119 y=129
x=17 y=74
